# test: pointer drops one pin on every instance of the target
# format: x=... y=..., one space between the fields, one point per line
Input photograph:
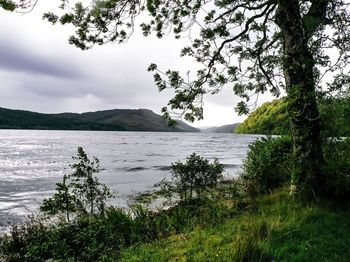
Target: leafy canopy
x=239 y=43
x=18 y=5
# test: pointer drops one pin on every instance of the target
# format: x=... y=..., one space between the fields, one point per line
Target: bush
x=190 y=179
x=104 y=236
x=268 y=165
x=87 y=238
x=337 y=167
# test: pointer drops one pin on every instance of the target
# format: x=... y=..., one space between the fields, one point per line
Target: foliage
x=218 y=41
x=272 y=118
x=91 y=194
x=84 y=193
x=268 y=165
x=335 y=116
x=190 y=179
x=102 y=237
x=7 y=5
x=21 y=6
x=62 y=201
x=86 y=239
x=337 y=167
x=281 y=229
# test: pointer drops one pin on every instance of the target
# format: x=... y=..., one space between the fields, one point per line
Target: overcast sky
x=40 y=71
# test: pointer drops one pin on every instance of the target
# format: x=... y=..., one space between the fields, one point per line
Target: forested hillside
x=271 y=118
x=112 y=120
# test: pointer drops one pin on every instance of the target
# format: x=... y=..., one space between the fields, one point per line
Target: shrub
x=80 y=191
x=337 y=167
x=190 y=179
x=87 y=238
x=268 y=165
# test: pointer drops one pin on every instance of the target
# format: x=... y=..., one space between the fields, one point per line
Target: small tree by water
x=79 y=191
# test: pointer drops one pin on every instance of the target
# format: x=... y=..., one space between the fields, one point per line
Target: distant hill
x=111 y=120
x=271 y=118
x=220 y=129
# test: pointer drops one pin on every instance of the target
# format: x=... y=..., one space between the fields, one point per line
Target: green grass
x=274 y=227
x=279 y=229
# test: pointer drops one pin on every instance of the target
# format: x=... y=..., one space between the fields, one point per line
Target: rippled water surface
x=32 y=161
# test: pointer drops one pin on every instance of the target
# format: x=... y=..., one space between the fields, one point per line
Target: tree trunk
x=298 y=65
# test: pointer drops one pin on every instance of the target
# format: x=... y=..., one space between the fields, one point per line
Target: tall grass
x=90 y=238
x=280 y=229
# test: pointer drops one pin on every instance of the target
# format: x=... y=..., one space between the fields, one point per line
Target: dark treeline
x=109 y=120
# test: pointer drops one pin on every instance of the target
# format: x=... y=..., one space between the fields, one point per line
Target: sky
x=41 y=72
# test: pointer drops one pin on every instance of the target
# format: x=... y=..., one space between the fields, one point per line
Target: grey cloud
x=17 y=59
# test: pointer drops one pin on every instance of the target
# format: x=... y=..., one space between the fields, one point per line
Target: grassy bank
x=277 y=229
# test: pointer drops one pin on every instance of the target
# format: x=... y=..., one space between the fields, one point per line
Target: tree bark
x=298 y=65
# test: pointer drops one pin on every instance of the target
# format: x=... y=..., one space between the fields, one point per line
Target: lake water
x=32 y=161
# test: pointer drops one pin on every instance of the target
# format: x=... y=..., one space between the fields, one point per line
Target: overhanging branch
x=242 y=33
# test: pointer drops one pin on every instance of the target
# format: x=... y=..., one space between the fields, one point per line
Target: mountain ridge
x=104 y=120
x=220 y=129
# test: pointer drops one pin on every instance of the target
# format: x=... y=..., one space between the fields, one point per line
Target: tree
x=61 y=202
x=252 y=46
x=91 y=194
x=80 y=191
